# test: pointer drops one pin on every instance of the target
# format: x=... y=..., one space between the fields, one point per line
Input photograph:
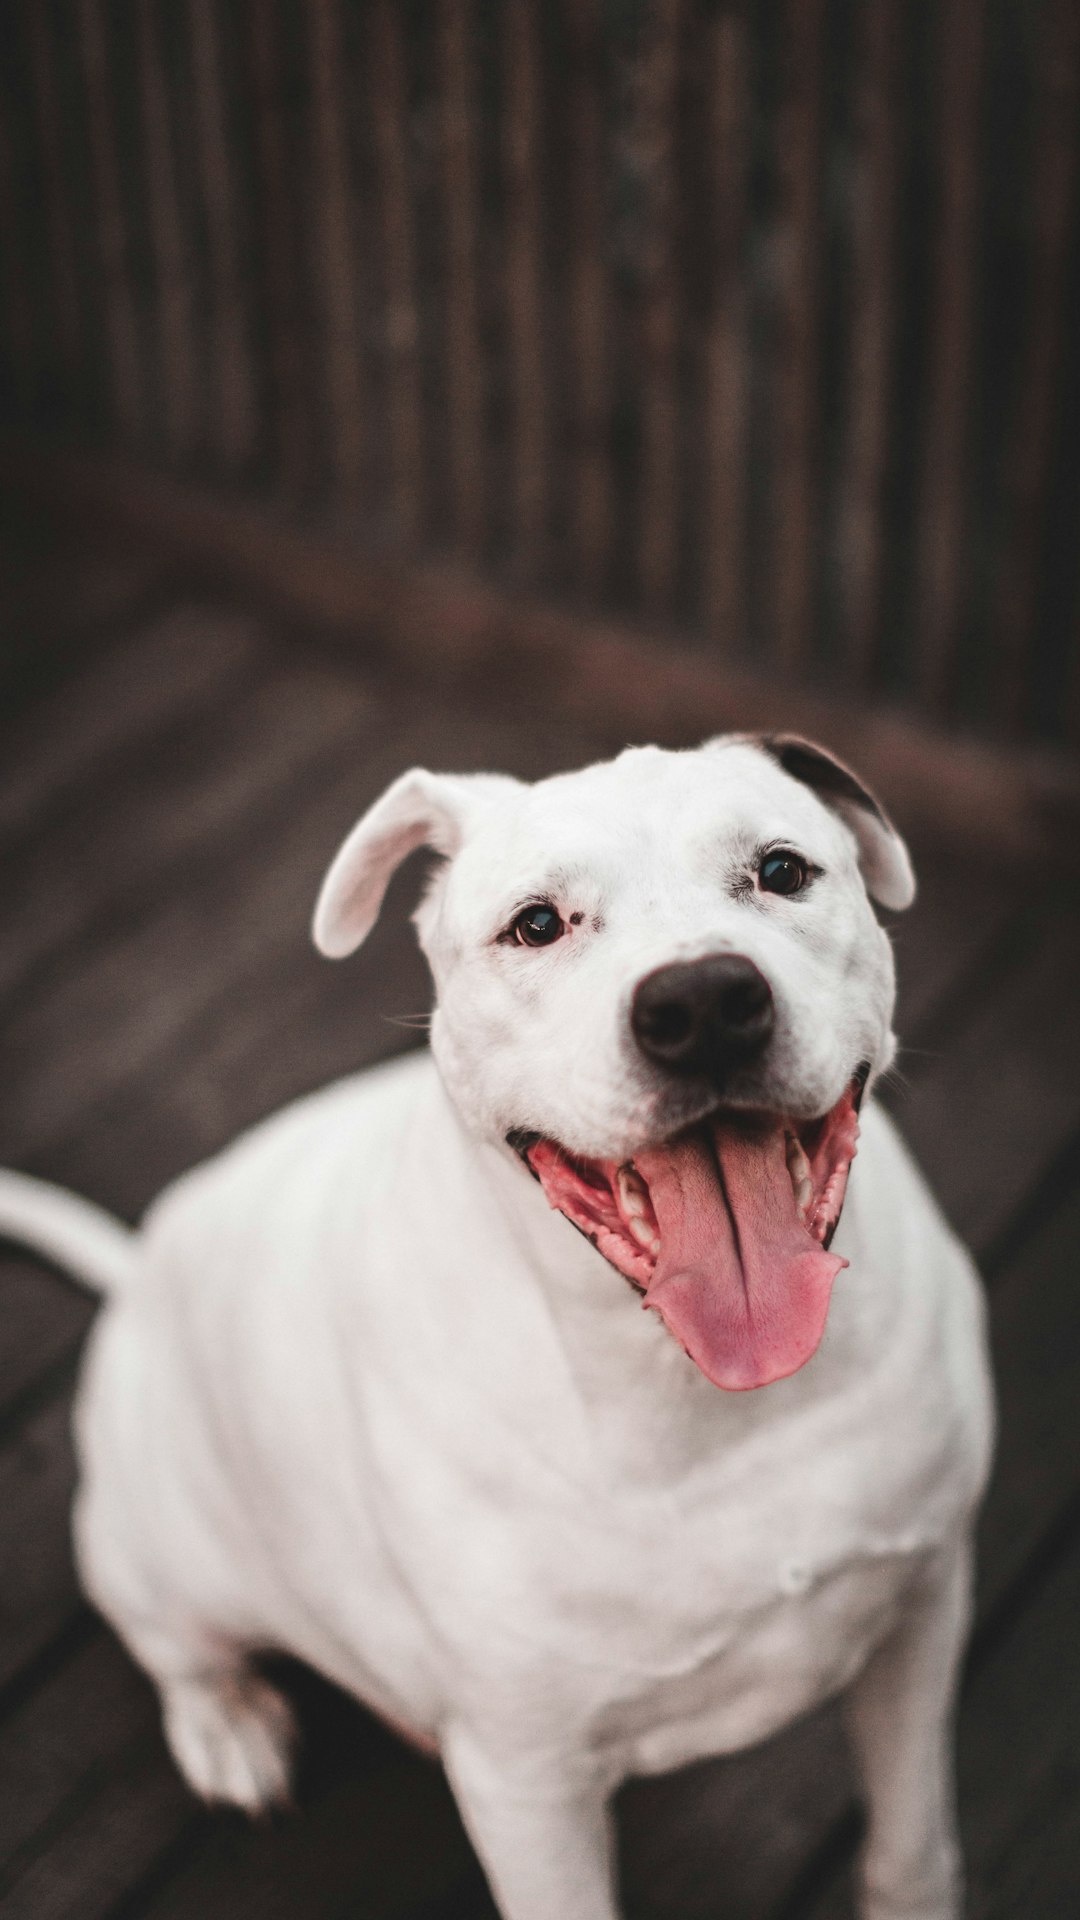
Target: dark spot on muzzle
x=705 y=1018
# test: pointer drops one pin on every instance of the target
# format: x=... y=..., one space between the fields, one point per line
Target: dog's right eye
x=537 y=926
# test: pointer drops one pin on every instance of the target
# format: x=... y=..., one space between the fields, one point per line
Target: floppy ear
x=883 y=857
x=420 y=809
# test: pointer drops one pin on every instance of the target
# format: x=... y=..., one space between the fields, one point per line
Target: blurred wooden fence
x=755 y=323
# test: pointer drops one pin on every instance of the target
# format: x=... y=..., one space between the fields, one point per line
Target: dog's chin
x=723 y=1226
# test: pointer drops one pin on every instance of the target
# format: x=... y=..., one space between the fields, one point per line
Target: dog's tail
x=71 y=1233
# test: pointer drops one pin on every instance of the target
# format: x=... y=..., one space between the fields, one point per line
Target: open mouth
x=725 y=1230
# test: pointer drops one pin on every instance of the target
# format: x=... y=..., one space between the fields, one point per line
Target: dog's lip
x=521 y=1139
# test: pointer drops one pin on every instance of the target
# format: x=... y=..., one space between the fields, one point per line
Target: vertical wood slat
x=61 y=227
x=726 y=395
x=659 y=505
x=125 y=368
x=18 y=318
x=278 y=198
x=175 y=304
x=862 y=482
x=941 y=561
x=230 y=357
x=590 y=311
x=463 y=366
x=337 y=255
x=1029 y=444
x=390 y=112
x=796 y=474
x=524 y=281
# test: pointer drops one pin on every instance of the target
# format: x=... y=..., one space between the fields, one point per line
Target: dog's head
x=662 y=982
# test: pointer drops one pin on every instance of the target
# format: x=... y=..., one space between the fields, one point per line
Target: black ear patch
x=883 y=857
x=816 y=769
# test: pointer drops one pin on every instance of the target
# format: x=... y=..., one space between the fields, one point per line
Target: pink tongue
x=739 y=1281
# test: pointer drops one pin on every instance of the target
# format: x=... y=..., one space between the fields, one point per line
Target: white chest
x=679 y=1627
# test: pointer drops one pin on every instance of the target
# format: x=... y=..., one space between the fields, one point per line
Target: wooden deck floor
x=170 y=787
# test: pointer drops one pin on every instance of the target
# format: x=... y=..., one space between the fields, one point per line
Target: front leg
x=900 y=1712
x=546 y=1843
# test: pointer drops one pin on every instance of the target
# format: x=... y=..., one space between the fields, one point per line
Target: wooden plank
x=118 y=847
x=52 y=608
x=37 y=1480
x=602 y=676
x=727 y=370
x=1043 y=1876
x=18 y=318
x=177 y=666
x=41 y=1765
x=292 y=453
x=944 y=943
x=43 y=1317
x=942 y=545
x=1003 y=1098
x=861 y=508
x=114 y=1833
x=744 y=1825
x=174 y=266
x=461 y=324
x=126 y=370
x=63 y=257
x=1026 y=467
x=1018 y=1750
x=385 y=1846
x=796 y=374
x=230 y=355
x=589 y=300
x=525 y=283
x=659 y=511
x=126 y=1004
x=391 y=122
x=337 y=251
x=1036 y=1344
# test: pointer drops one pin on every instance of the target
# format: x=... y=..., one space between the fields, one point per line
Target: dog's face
x=657 y=973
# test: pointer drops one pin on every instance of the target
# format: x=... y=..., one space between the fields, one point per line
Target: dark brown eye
x=782 y=873
x=537 y=926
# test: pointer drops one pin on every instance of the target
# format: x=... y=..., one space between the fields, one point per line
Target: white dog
x=361 y=1393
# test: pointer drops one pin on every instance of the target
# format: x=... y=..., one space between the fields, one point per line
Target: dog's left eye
x=537 y=926
x=782 y=872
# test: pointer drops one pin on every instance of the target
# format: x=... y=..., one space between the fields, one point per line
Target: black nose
x=703 y=1016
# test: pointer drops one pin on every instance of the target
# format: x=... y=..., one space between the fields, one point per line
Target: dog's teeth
x=798 y=1164
x=632 y=1192
x=643 y=1233
x=801 y=1183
